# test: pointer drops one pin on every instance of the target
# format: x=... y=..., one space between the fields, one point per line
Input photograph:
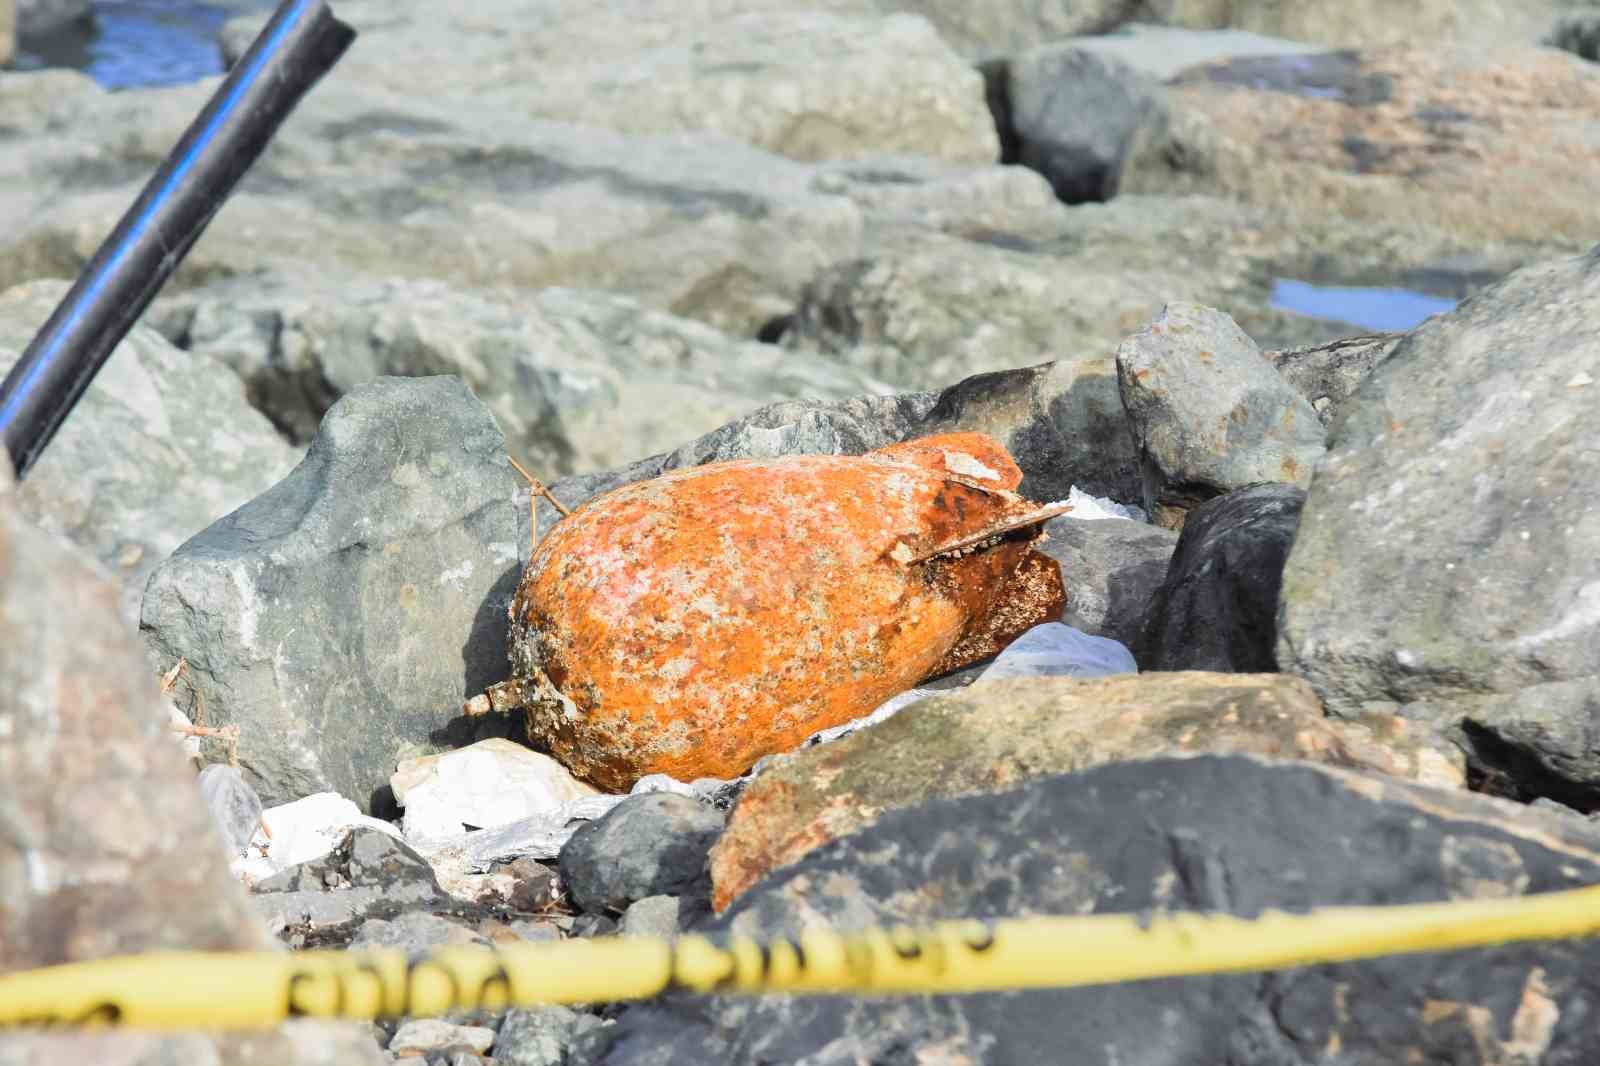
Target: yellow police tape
x=194 y=990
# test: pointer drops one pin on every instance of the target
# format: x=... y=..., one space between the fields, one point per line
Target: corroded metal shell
x=692 y=623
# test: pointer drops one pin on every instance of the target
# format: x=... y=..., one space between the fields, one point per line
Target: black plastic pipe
x=301 y=43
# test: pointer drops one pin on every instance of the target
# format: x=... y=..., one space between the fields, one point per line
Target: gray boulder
x=1217 y=609
x=1208 y=413
x=577 y=380
x=105 y=846
x=1075 y=114
x=1111 y=569
x=648 y=845
x=1449 y=551
x=1227 y=833
x=540 y=1036
x=341 y=617
x=161 y=445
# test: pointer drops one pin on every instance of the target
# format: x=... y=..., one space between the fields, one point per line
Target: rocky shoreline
x=1332 y=597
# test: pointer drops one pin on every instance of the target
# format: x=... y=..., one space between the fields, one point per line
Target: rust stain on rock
x=695 y=622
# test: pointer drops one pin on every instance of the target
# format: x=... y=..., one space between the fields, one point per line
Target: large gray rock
x=1209 y=413
x=105 y=846
x=1075 y=114
x=1218 y=607
x=1229 y=833
x=792 y=79
x=577 y=380
x=1449 y=550
x=161 y=445
x=344 y=615
x=1111 y=569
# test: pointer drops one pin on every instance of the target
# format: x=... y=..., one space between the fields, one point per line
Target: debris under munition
x=692 y=623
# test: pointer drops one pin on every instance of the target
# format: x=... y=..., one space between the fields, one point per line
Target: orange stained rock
x=692 y=623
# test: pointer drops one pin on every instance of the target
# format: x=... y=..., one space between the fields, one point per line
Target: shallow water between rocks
x=132 y=44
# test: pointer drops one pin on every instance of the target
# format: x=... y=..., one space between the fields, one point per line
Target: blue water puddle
x=1376 y=309
x=136 y=44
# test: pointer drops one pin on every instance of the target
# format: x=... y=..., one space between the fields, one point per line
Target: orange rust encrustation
x=694 y=622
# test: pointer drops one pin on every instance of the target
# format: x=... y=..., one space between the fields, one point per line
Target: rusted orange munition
x=692 y=623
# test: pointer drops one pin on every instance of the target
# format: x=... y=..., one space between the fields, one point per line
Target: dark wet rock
x=1449 y=549
x=541 y=1036
x=105 y=845
x=1328 y=375
x=1074 y=115
x=1217 y=609
x=1111 y=569
x=1209 y=414
x=341 y=618
x=1229 y=833
x=648 y=845
x=369 y=875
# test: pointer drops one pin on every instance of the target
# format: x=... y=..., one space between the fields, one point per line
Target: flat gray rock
x=341 y=618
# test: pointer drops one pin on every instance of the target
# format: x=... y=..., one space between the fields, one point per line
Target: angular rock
x=105 y=846
x=1111 y=568
x=1328 y=375
x=540 y=1036
x=415 y=932
x=1209 y=414
x=347 y=612
x=577 y=380
x=649 y=845
x=653 y=916
x=1217 y=609
x=425 y=1036
x=999 y=735
x=487 y=784
x=161 y=445
x=1075 y=114
x=1449 y=549
x=370 y=874
x=1228 y=833
x=1484 y=141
